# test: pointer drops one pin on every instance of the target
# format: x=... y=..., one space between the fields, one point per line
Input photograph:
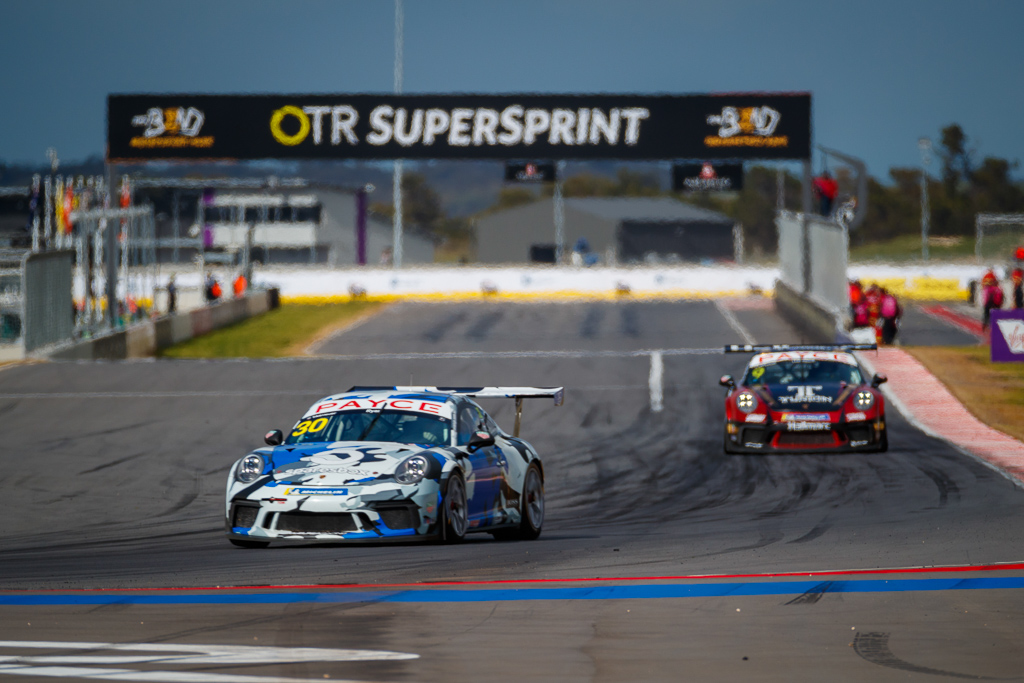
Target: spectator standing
x=826 y=188
x=211 y=288
x=172 y=296
x=1017 y=278
x=239 y=286
x=856 y=296
x=891 y=313
x=873 y=301
x=992 y=297
x=208 y=283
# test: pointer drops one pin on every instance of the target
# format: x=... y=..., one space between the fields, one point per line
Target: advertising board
x=529 y=172
x=459 y=126
x=1007 y=336
x=707 y=177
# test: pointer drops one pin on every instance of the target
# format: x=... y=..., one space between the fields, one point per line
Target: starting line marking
x=57 y=666
x=625 y=592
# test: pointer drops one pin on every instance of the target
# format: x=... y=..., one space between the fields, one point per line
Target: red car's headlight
x=863 y=400
x=746 y=401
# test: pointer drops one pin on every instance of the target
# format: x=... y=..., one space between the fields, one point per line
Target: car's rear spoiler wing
x=768 y=348
x=518 y=393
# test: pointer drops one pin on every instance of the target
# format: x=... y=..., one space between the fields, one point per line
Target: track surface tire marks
x=129 y=491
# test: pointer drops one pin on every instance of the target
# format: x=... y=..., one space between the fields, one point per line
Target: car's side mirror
x=479 y=440
x=878 y=379
x=274 y=437
x=727 y=381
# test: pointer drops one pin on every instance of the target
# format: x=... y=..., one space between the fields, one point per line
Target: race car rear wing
x=518 y=393
x=767 y=348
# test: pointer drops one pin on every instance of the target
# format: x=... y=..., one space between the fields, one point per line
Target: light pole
x=396 y=180
x=925 y=145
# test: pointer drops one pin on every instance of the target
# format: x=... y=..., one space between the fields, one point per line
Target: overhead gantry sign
x=369 y=126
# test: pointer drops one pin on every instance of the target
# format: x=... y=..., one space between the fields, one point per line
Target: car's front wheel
x=454 y=511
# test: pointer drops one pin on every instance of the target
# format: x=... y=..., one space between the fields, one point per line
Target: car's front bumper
x=832 y=437
x=334 y=519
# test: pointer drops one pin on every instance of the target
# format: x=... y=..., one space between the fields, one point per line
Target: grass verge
x=908 y=248
x=993 y=392
x=285 y=331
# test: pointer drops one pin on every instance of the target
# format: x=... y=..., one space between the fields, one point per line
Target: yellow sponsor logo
x=747 y=141
x=278 y=118
x=152 y=143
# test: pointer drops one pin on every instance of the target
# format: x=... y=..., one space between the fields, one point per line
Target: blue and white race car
x=391 y=463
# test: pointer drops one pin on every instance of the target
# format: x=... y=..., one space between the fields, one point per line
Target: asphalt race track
x=707 y=567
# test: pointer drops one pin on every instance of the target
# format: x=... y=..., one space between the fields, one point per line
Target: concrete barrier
x=145 y=338
x=811 y=319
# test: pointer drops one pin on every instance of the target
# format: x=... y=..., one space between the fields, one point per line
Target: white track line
x=415 y=355
x=151 y=394
x=219 y=394
x=735 y=324
x=524 y=354
x=203 y=656
x=655 y=382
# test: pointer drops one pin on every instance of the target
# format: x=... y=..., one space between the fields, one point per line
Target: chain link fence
x=997 y=236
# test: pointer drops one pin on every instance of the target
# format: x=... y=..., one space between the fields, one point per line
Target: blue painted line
x=628 y=592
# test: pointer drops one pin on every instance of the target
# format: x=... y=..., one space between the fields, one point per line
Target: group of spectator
x=212 y=290
x=877 y=308
x=992 y=296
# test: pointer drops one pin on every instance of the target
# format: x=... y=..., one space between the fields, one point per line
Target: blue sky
x=883 y=73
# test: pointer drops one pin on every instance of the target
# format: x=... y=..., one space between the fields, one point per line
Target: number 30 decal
x=310 y=426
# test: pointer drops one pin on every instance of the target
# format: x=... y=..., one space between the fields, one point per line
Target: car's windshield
x=373 y=425
x=802 y=372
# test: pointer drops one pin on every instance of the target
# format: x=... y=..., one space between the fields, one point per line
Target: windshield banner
x=543 y=126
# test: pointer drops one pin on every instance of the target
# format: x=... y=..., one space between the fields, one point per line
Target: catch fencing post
x=805 y=229
x=559 y=213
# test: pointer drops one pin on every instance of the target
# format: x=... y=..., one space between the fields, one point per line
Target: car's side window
x=467 y=423
x=484 y=421
x=492 y=426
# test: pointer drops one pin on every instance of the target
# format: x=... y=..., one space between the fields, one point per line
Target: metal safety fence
x=116 y=272
x=813 y=255
x=86 y=270
x=47 y=309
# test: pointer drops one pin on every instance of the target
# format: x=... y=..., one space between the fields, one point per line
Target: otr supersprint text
x=511 y=126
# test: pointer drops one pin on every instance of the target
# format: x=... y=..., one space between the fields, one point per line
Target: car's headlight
x=863 y=400
x=411 y=470
x=250 y=468
x=746 y=402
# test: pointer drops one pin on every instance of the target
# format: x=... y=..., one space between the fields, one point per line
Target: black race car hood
x=811 y=397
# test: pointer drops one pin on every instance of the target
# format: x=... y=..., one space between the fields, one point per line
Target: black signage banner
x=365 y=126
x=529 y=172
x=707 y=177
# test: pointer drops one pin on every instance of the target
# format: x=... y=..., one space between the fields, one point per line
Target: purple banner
x=1007 y=336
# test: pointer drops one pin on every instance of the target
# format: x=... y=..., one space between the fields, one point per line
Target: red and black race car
x=804 y=399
